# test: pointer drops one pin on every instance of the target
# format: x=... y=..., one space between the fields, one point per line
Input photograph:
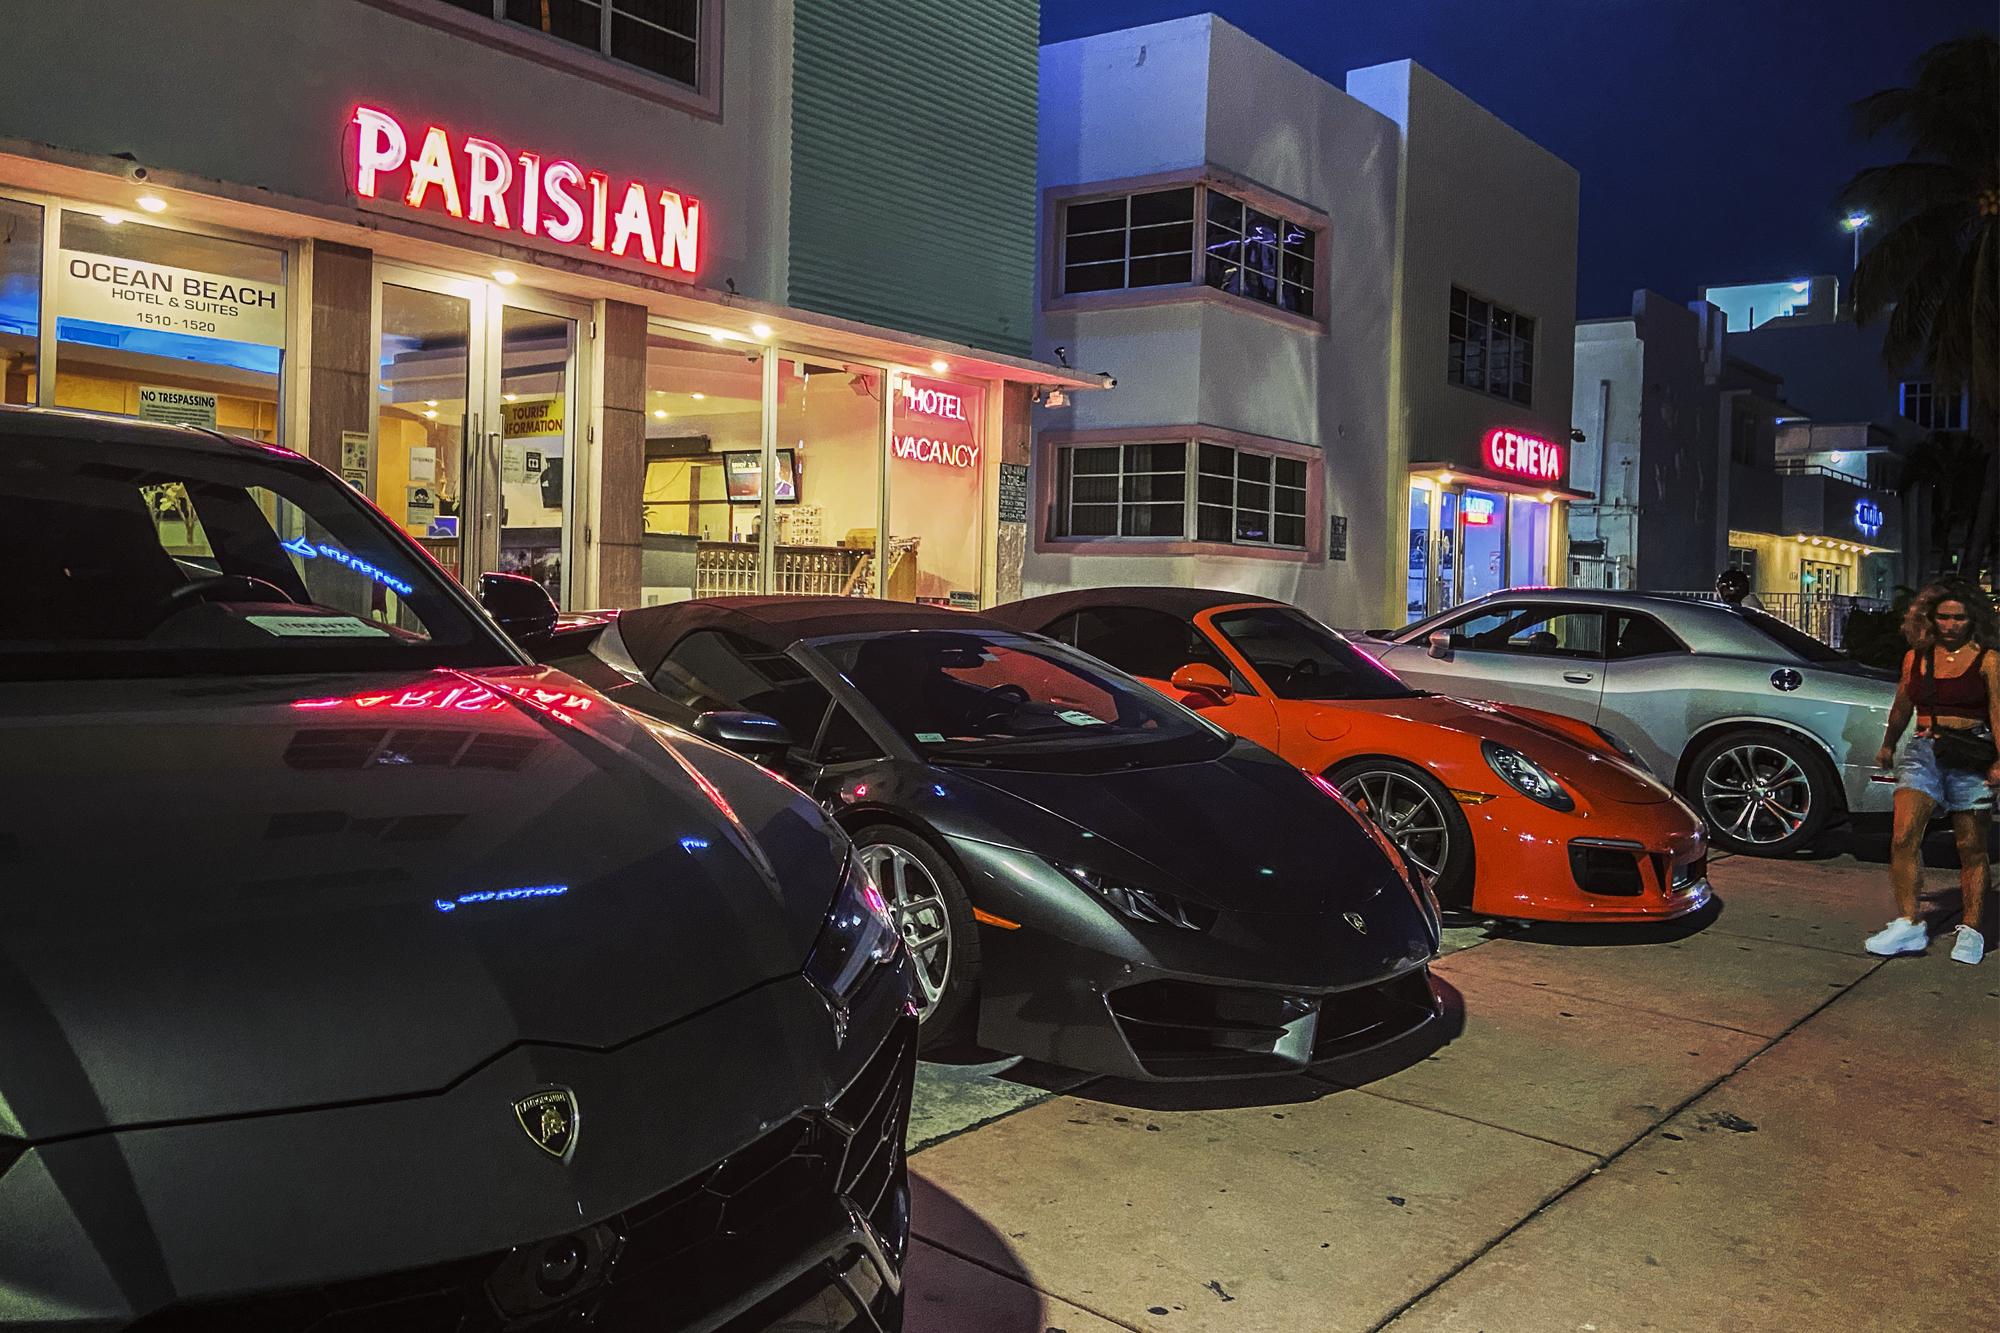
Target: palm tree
x=1950 y=467
x=1935 y=274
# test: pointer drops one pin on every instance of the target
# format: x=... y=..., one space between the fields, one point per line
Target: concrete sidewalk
x=1739 y=1123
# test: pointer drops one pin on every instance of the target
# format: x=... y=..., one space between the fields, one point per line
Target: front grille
x=671 y=1258
x=1690 y=873
x=1183 y=1029
x=1612 y=872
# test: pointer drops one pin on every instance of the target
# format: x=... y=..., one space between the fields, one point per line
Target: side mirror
x=752 y=735
x=522 y=606
x=1200 y=678
x=1439 y=644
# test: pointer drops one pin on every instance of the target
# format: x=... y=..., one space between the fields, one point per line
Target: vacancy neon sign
x=476 y=180
x=948 y=442
x=1524 y=455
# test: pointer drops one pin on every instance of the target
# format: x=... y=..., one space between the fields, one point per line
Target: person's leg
x=1971 y=829
x=1906 y=847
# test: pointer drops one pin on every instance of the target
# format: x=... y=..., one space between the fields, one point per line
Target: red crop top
x=1962 y=696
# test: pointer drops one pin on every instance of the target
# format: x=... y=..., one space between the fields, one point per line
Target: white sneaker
x=1900 y=936
x=1970 y=946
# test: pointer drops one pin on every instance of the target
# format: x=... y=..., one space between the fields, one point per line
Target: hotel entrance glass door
x=474 y=449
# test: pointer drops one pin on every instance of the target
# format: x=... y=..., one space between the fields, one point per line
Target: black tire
x=948 y=998
x=1774 y=771
x=1364 y=780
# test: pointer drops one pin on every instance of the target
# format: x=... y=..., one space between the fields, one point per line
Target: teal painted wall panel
x=913 y=166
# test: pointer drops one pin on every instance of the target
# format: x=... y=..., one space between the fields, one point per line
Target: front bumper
x=740 y=1170
x=1078 y=985
x=1627 y=863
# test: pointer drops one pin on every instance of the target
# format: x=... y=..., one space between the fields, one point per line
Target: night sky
x=1711 y=135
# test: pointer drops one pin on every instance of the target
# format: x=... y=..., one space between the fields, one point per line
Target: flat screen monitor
x=742 y=472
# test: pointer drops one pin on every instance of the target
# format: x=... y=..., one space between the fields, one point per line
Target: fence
x=1820 y=614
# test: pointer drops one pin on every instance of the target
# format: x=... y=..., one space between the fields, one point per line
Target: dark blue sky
x=1711 y=135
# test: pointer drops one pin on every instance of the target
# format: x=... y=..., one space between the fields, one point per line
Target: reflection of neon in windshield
x=457 y=698
x=500 y=896
x=306 y=550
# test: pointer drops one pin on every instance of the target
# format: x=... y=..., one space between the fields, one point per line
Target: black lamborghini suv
x=358 y=974
x=1082 y=870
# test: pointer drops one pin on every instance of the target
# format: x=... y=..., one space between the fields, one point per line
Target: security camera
x=137 y=173
x=1576 y=437
x=1107 y=379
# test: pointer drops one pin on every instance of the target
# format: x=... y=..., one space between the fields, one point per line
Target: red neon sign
x=950 y=443
x=457 y=699
x=478 y=181
x=1524 y=455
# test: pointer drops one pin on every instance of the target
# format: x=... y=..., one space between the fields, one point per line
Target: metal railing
x=1797 y=468
x=1820 y=614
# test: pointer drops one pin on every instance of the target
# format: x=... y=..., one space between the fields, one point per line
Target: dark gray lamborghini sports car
x=1083 y=871
x=358 y=974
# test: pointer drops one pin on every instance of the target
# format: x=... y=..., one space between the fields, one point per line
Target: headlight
x=1526 y=776
x=1625 y=752
x=859 y=936
x=1146 y=906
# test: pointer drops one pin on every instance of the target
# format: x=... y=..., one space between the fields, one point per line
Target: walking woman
x=1951 y=683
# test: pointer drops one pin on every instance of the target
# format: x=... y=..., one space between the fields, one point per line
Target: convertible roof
x=778 y=622
x=1036 y=613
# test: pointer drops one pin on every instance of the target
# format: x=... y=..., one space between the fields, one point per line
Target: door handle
x=1578 y=677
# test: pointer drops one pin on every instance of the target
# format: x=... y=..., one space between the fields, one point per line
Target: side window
x=1642 y=636
x=1532 y=631
x=714 y=669
x=1146 y=643
x=845 y=741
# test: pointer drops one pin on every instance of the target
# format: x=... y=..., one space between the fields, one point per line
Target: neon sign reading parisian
x=476 y=180
x=1524 y=455
x=456 y=699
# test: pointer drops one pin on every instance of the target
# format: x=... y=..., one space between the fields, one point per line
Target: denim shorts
x=1952 y=789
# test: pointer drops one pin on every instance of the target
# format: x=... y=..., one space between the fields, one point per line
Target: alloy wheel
x=1408 y=813
x=920 y=914
x=1756 y=793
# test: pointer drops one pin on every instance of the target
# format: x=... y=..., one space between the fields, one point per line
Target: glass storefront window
x=830 y=418
x=1528 y=542
x=535 y=420
x=937 y=470
x=168 y=325
x=1417 y=584
x=20 y=299
x=1484 y=566
x=421 y=416
x=704 y=417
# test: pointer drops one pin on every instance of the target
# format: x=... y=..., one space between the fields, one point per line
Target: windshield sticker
x=931 y=737
x=1078 y=718
x=317 y=627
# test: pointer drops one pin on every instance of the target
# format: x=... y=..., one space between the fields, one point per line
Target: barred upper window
x=1925 y=404
x=1490 y=348
x=1187 y=235
x=660 y=36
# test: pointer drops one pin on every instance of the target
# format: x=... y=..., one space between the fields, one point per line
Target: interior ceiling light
x=509 y=397
x=152 y=203
x=506 y=277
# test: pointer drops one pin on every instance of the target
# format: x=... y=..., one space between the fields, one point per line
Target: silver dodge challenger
x=1769 y=733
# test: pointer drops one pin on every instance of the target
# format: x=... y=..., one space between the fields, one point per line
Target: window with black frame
x=1243 y=497
x=1490 y=348
x=660 y=36
x=1134 y=240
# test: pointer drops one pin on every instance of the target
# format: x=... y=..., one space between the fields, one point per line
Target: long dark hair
x=1920 y=623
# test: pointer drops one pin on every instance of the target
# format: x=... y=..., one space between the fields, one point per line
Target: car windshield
x=987 y=697
x=1299 y=658
x=127 y=560
x=1797 y=642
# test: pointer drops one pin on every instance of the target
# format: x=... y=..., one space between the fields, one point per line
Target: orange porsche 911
x=1509 y=811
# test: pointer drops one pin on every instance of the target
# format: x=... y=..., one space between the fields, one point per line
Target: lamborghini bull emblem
x=1355 y=920
x=550 y=1119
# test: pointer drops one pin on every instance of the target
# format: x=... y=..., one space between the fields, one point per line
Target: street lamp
x=1856 y=223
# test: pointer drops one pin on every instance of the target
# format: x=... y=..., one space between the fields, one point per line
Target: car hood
x=1597 y=775
x=226 y=897
x=1244 y=833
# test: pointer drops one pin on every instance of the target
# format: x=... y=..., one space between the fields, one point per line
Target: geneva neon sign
x=1524 y=455
x=477 y=181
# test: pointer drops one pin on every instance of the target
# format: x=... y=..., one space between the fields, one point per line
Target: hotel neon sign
x=1524 y=455
x=475 y=180
x=937 y=445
